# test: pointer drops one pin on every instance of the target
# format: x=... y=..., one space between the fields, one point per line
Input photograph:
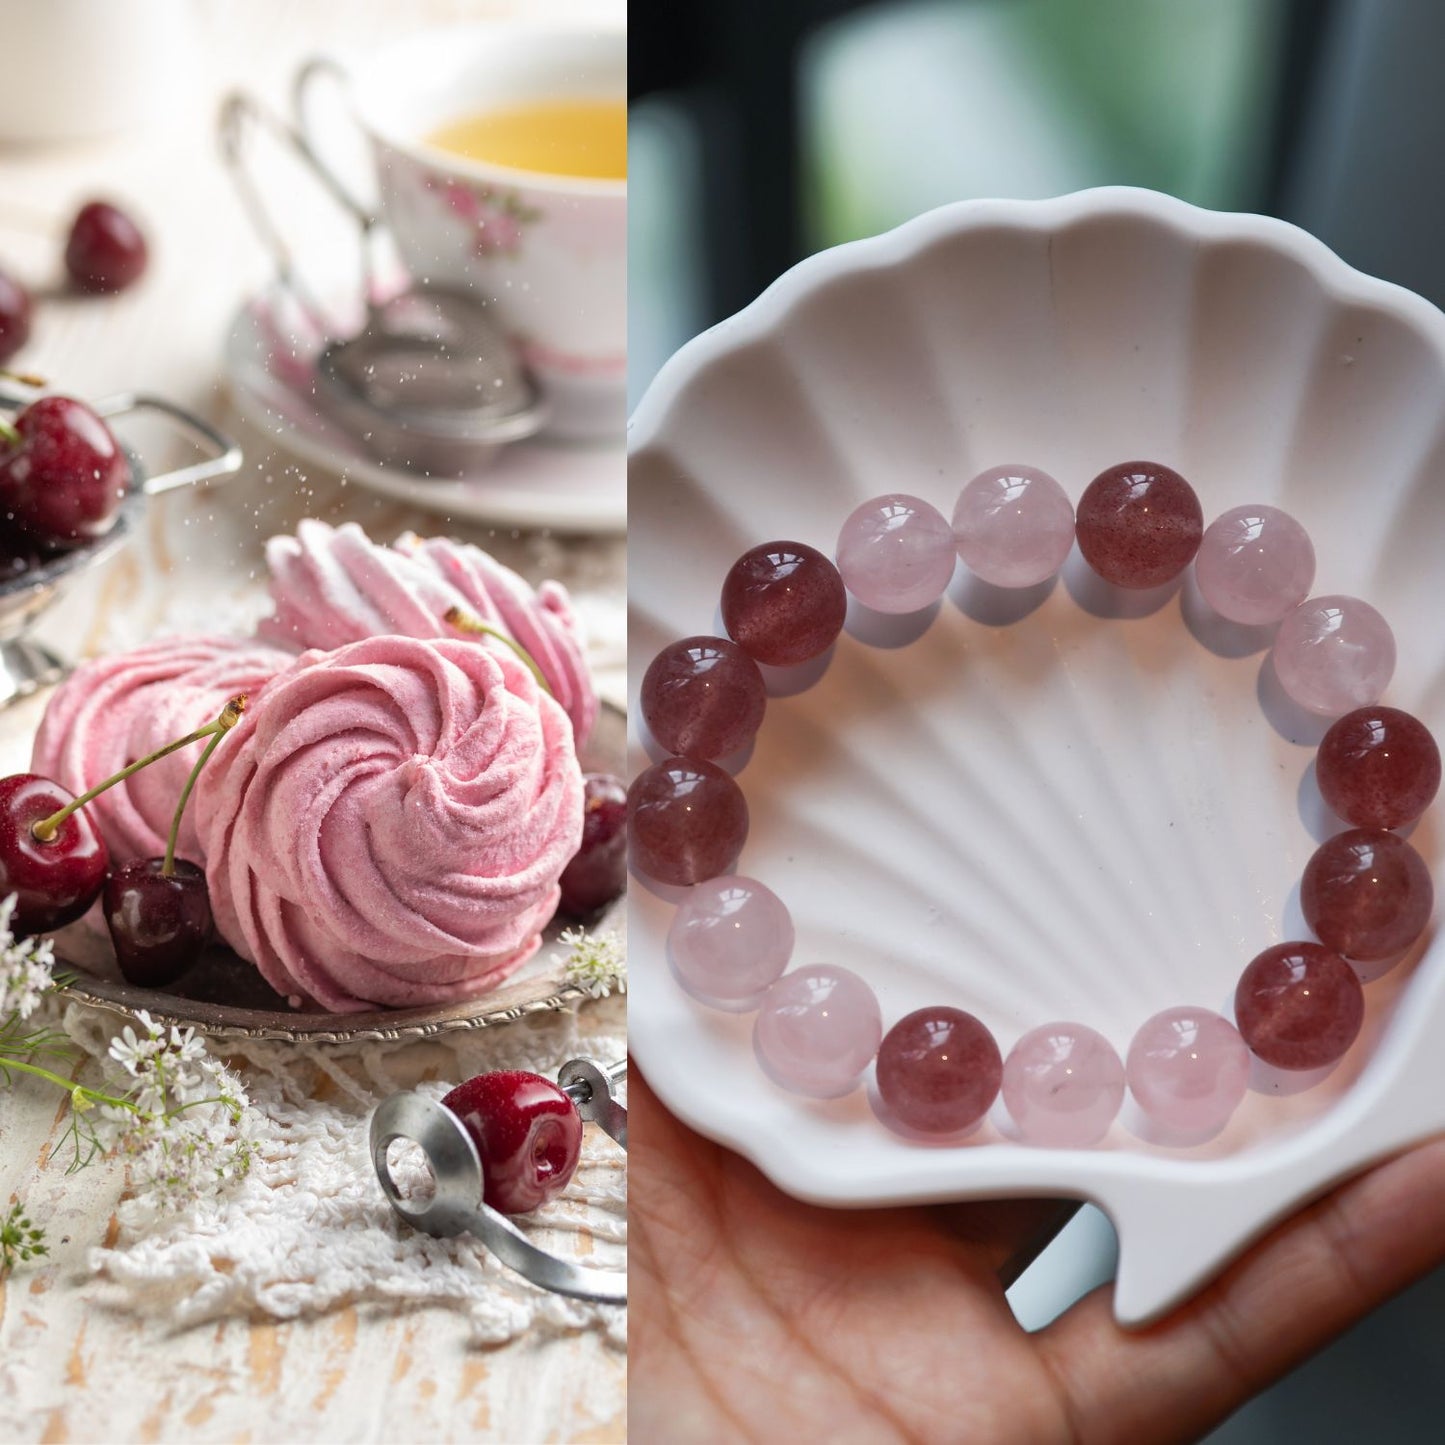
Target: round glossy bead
x=1333 y=654
x=783 y=603
x=939 y=1071
x=895 y=553
x=729 y=940
x=1063 y=1084
x=703 y=697
x=686 y=821
x=1255 y=564
x=1299 y=1006
x=1188 y=1069
x=1013 y=526
x=1366 y=894
x=1378 y=767
x=1139 y=524
x=817 y=1030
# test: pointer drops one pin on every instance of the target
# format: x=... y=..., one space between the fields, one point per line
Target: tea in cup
x=500 y=153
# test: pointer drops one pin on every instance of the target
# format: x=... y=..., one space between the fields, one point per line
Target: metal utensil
x=428 y=380
x=457 y=1206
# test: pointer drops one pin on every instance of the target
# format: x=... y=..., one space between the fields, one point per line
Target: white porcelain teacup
x=549 y=251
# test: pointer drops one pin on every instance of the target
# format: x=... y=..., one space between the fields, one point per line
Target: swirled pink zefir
x=117 y=708
x=388 y=825
x=333 y=585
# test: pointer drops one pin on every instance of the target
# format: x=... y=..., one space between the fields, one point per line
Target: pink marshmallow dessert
x=120 y=707
x=333 y=585
x=387 y=824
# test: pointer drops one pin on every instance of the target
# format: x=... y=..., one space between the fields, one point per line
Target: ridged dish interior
x=1068 y=803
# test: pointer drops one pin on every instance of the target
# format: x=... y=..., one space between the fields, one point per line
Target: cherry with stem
x=158 y=910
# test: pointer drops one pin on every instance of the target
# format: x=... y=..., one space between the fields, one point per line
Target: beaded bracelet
x=1366 y=893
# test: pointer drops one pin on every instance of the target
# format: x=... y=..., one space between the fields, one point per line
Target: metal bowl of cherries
x=70 y=494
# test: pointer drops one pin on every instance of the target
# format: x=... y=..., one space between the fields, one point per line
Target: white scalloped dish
x=1058 y=804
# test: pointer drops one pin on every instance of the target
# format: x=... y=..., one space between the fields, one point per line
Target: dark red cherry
x=158 y=922
x=598 y=871
x=105 y=250
x=54 y=882
x=14 y=317
x=528 y=1133
x=64 y=480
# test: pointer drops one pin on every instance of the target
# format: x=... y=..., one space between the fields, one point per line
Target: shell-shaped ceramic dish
x=1066 y=803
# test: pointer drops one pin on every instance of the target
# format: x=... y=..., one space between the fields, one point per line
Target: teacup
x=548 y=251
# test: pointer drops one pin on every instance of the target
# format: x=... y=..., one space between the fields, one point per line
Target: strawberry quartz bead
x=731 y=938
x=1188 y=1069
x=1366 y=894
x=816 y=1031
x=1013 y=526
x=1063 y=1084
x=1255 y=564
x=1378 y=767
x=686 y=821
x=1299 y=1006
x=1139 y=524
x=783 y=603
x=895 y=553
x=703 y=697
x=939 y=1071
x=1334 y=654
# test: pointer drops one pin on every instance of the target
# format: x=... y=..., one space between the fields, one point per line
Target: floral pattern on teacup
x=497 y=215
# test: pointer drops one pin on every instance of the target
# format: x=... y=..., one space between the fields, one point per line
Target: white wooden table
x=71 y=1368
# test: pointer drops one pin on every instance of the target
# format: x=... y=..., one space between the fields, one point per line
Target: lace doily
x=308 y=1229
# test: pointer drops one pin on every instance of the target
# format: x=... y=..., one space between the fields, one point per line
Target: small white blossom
x=25 y=967
x=597 y=963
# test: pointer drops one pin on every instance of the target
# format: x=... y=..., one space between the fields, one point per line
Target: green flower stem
x=465 y=622
x=94 y=1096
x=46 y=829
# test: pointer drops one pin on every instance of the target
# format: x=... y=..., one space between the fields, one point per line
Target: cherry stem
x=464 y=622
x=25 y=378
x=9 y=433
x=45 y=830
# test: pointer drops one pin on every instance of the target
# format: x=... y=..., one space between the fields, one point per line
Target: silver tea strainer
x=429 y=381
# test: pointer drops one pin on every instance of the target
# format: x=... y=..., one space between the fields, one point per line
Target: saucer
x=567 y=487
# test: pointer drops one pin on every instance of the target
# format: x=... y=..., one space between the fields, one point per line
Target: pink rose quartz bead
x=1255 y=564
x=817 y=1030
x=938 y=1071
x=1299 y=1006
x=1188 y=1069
x=686 y=821
x=1366 y=894
x=1378 y=767
x=895 y=553
x=1063 y=1084
x=1333 y=654
x=783 y=603
x=703 y=697
x=730 y=938
x=1139 y=524
x=1013 y=526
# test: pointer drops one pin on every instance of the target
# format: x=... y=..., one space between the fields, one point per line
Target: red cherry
x=64 y=480
x=158 y=922
x=54 y=881
x=528 y=1133
x=598 y=871
x=14 y=317
x=105 y=250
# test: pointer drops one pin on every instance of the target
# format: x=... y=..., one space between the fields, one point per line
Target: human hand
x=756 y=1317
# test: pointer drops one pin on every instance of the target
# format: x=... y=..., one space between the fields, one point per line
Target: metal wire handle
x=457 y=1206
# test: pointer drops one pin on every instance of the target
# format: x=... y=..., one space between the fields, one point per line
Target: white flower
x=597 y=963
x=25 y=967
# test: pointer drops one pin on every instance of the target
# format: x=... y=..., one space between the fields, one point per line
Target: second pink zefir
x=1366 y=893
